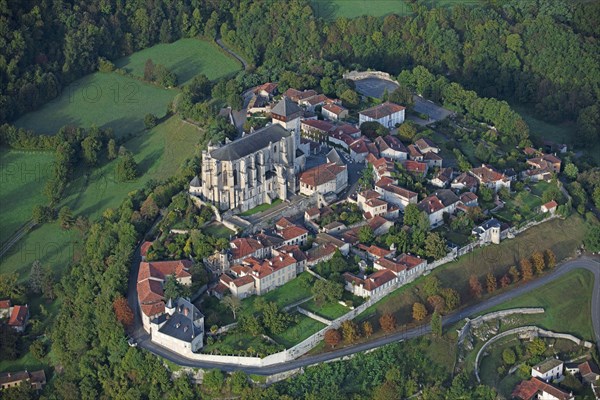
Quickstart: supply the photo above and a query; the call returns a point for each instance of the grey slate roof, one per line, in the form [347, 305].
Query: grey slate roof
[180, 326]
[251, 143]
[286, 107]
[195, 182]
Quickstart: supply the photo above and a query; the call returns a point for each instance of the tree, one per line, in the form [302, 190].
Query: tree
[431, 286]
[526, 269]
[537, 260]
[388, 322]
[571, 171]
[90, 147]
[327, 291]
[549, 259]
[333, 337]
[251, 325]
[9, 343]
[592, 239]
[407, 131]
[435, 246]
[419, 312]
[172, 288]
[504, 281]
[475, 285]
[9, 286]
[491, 282]
[36, 277]
[509, 357]
[536, 347]
[451, 298]
[65, 217]
[149, 71]
[350, 98]
[367, 329]
[213, 380]
[48, 283]
[514, 274]
[126, 168]
[411, 215]
[239, 381]
[41, 214]
[150, 121]
[233, 303]
[366, 235]
[350, 331]
[111, 149]
[149, 209]
[486, 193]
[437, 302]
[38, 349]
[436, 324]
[123, 311]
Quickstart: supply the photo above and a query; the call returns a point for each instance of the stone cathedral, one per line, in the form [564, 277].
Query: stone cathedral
[257, 168]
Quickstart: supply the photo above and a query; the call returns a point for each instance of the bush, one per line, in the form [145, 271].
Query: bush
[150, 121]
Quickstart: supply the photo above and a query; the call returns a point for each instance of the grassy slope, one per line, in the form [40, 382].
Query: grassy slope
[158, 152]
[562, 236]
[23, 175]
[186, 58]
[106, 100]
[571, 316]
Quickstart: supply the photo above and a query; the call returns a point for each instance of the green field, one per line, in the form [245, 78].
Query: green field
[218, 230]
[301, 331]
[107, 100]
[330, 311]
[185, 57]
[159, 154]
[23, 175]
[551, 298]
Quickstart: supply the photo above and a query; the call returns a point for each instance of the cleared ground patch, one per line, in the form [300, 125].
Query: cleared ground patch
[186, 58]
[23, 175]
[107, 100]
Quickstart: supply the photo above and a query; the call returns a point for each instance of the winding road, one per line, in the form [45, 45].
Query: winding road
[588, 263]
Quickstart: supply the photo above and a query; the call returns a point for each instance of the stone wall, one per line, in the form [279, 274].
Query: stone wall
[358, 75]
[313, 316]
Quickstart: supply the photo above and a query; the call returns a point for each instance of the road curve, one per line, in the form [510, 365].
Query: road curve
[587, 263]
[233, 53]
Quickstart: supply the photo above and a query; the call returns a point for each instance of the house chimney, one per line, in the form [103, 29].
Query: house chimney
[186, 311]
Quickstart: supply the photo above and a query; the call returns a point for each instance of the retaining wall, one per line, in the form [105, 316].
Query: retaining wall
[313, 316]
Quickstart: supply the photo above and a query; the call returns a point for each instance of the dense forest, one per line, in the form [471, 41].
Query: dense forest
[544, 54]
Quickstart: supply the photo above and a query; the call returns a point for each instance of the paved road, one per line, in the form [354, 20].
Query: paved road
[233, 53]
[12, 240]
[588, 263]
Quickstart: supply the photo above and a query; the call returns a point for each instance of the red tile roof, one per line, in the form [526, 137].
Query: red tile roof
[284, 223]
[386, 184]
[550, 205]
[487, 174]
[378, 251]
[430, 204]
[468, 197]
[391, 265]
[382, 110]
[377, 222]
[268, 87]
[162, 269]
[370, 194]
[409, 261]
[414, 151]
[373, 281]
[243, 247]
[292, 232]
[321, 174]
[316, 99]
[243, 281]
[527, 389]
[334, 108]
[415, 166]
[294, 251]
[18, 316]
[323, 126]
[4, 304]
[144, 248]
[153, 308]
[150, 291]
[313, 211]
[424, 144]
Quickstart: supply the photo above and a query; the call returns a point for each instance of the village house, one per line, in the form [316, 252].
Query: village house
[406, 267]
[433, 160]
[469, 199]
[316, 129]
[425, 145]
[297, 95]
[440, 202]
[589, 372]
[325, 238]
[549, 207]
[369, 286]
[151, 277]
[19, 316]
[5, 306]
[542, 168]
[180, 328]
[381, 166]
[37, 379]
[334, 112]
[293, 235]
[394, 194]
[465, 181]
[323, 179]
[334, 227]
[311, 103]
[320, 253]
[538, 389]
[267, 90]
[415, 167]
[487, 176]
[548, 370]
[488, 232]
[387, 114]
[380, 225]
[391, 147]
[442, 178]
[414, 153]
[242, 248]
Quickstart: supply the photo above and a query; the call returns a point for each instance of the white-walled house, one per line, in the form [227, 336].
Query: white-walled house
[395, 194]
[387, 114]
[548, 370]
[371, 285]
[323, 179]
[180, 328]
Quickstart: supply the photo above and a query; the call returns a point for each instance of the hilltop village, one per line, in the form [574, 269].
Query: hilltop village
[312, 188]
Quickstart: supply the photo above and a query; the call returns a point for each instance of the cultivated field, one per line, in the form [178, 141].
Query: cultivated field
[107, 100]
[23, 175]
[186, 58]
